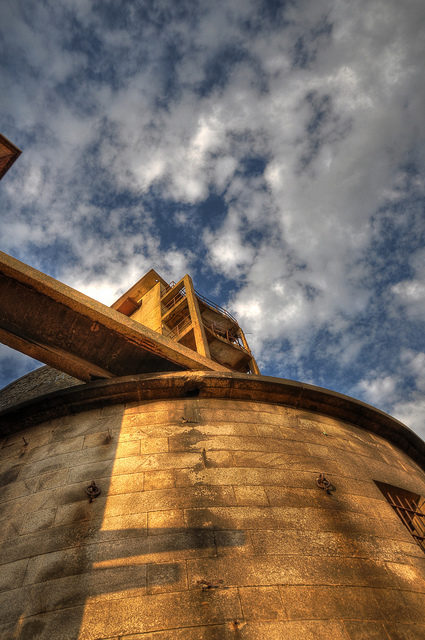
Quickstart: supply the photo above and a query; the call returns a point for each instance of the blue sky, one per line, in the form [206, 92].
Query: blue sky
[273, 150]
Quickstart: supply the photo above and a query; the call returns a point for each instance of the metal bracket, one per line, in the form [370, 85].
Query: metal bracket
[323, 483]
[206, 586]
[93, 491]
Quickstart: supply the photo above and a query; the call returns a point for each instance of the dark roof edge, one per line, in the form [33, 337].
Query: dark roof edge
[205, 384]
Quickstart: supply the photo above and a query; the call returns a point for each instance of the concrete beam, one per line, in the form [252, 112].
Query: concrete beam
[66, 329]
[8, 154]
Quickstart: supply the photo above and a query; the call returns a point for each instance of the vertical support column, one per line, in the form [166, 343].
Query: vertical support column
[252, 363]
[195, 317]
[158, 314]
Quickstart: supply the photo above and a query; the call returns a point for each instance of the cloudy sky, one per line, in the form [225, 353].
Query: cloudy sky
[274, 150]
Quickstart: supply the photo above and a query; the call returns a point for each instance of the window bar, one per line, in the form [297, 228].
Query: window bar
[400, 511]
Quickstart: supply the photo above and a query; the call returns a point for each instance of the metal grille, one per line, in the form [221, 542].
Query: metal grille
[410, 509]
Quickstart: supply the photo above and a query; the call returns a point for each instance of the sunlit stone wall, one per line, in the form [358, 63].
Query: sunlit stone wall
[209, 525]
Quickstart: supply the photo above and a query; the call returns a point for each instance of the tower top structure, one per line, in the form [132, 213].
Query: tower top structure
[153, 327]
[178, 311]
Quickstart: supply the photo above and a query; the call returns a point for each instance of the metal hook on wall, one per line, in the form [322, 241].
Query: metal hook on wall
[323, 483]
[93, 491]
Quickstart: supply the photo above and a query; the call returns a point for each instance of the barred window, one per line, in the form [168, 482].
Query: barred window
[410, 508]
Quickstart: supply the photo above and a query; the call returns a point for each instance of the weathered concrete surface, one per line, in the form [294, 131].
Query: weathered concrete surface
[210, 524]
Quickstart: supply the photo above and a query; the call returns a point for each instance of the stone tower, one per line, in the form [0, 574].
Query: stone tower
[154, 486]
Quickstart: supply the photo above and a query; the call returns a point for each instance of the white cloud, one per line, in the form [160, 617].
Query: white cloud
[331, 101]
[412, 413]
[379, 391]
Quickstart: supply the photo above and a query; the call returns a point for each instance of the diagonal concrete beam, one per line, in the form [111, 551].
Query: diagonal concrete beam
[8, 154]
[66, 329]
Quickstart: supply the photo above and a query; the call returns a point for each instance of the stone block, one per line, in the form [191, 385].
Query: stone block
[165, 577]
[57, 565]
[361, 630]
[300, 570]
[53, 449]
[140, 419]
[413, 605]
[231, 543]
[269, 431]
[15, 490]
[127, 448]
[131, 483]
[211, 632]
[232, 518]
[407, 576]
[244, 476]
[159, 612]
[9, 471]
[347, 522]
[12, 574]
[251, 495]
[325, 602]
[153, 445]
[329, 543]
[72, 459]
[159, 521]
[175, 545]
[405, 631]
[159, 479]
[122, 526]
[50, 480]
[87, 472]
[141, 407]
[232, 443]
[76, 512]
[38, 520]
[107, 583]
[287, 629]
[101, 438]
[11, 450]
[156, 461]
[44, 626]
[256, 415]
[155, 500]
[261, 603]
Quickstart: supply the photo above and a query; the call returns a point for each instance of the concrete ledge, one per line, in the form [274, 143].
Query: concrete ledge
[234, 386]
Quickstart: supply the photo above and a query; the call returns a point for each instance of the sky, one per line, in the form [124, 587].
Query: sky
[273, 150]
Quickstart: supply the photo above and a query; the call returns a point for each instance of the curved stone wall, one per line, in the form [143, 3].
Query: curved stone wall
[210, 523]
[33, 384]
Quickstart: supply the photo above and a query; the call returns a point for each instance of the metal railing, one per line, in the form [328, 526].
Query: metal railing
[225, 334]
[168, 288]
[215, 306]
[409, 508]
[175, 300]
[182, 293]
[179, 328]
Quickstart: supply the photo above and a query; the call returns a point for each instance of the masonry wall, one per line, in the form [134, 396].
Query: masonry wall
[210, 525]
